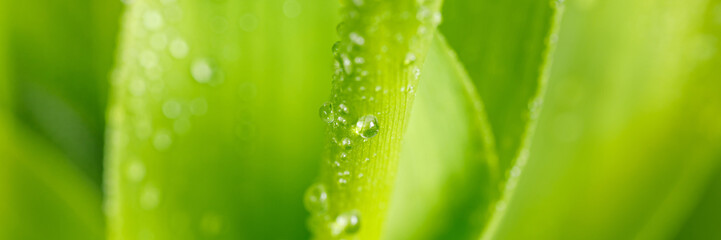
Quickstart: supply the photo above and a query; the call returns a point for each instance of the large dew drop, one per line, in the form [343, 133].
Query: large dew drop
[326, 112]
[367, 126]
[316, 198]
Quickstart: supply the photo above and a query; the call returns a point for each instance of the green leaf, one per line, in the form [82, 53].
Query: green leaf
[58, 57]
[448, 158]
[382, 45]
[213, 129]
[44, 196]
[629, 136]
[506, 51]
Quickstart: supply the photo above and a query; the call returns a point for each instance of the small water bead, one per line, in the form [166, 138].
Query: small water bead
[152, 20]
[204, 71]
[357, 38]
[336, 49]
[172, 109]
[326, 112]
[316, 198]
[367, 126]
[346, 144]
[347, 64]
[342, 182]
[340, 121]
[178, 48]
[346, 223]
[342, 108]
[410, 59]
[343, 156]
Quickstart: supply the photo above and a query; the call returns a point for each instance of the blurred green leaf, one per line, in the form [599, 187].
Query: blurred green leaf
[214, 129]
[630, 131]
[448, 157]
[58, 57]
[43, 196]
[506, 50]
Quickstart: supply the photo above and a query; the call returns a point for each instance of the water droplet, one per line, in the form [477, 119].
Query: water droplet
[410, 59]
[342, 182]
[346, 144]
[136, 170]
[436, 18]
[203, 71]
[326, 112]
[291, 8]
[357, 38]
[172, 109]
[199, 106]
[178, 48]
[162, 141]
[316, 198]
[248, 22]
[149, 197]
[343, 156]
[336, 49]
[152, 20]
[340, 121]
[342, 108]
[346, 223]
[367, 126]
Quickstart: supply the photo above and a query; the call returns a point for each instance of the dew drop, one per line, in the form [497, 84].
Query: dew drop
[346, 223]
[346, 144]
[410, 59]
[316, 198]
[172, 109]
[202, 71]
[367, 126]
[342, 108]
[326, 112]
[341, 121]
[336, 49]
[357, 38]
[178, 48]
